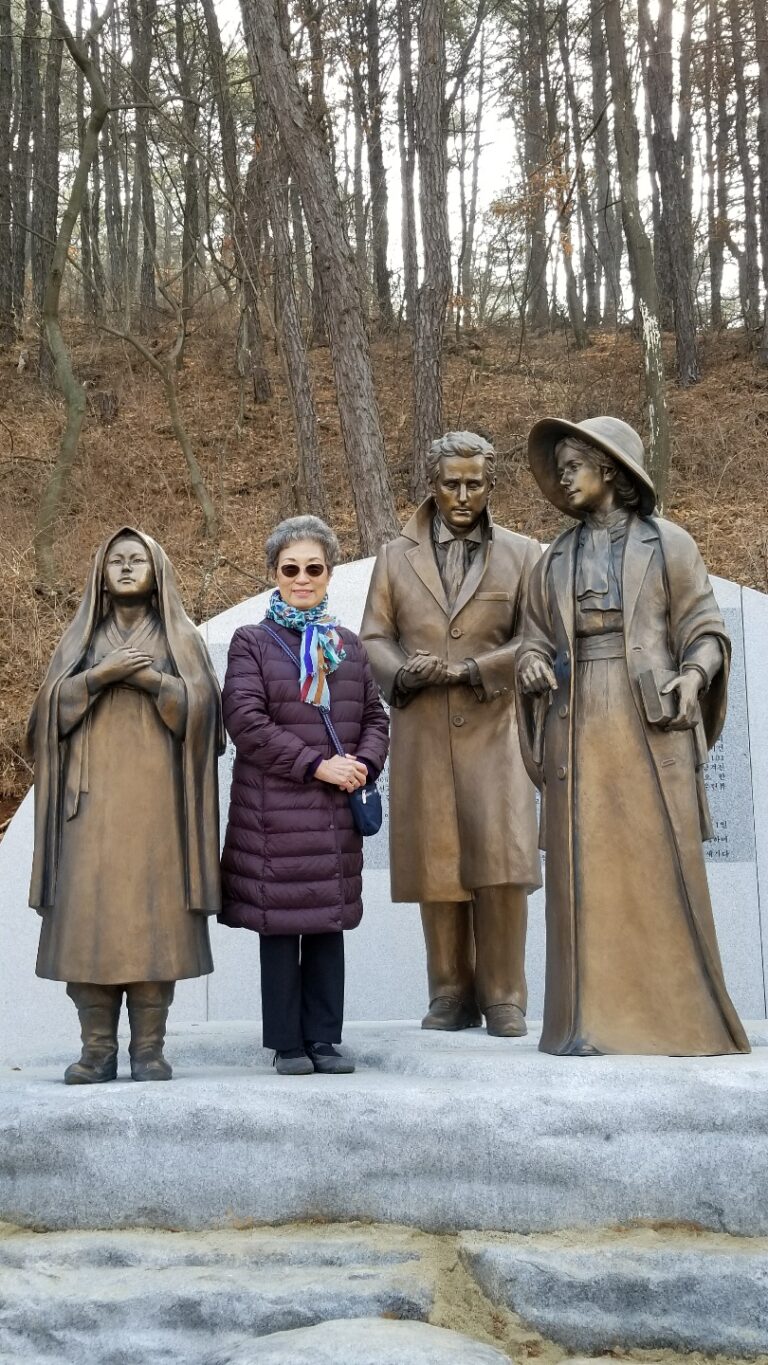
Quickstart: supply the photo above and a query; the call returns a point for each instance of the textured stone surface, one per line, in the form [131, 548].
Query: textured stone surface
[439, 1131]
[643, 1290]
[365, 1343]
[168, 1296]
[385, 956]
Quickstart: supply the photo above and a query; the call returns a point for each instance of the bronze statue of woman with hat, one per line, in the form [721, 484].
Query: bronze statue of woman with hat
[622, 673]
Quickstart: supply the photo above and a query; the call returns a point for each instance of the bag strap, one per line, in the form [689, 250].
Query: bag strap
[335, 741]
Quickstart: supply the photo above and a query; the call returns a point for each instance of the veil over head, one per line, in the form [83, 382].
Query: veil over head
[203, 741]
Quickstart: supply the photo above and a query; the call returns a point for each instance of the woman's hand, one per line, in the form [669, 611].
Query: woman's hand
[343, 770]
[688, 685]
[145, 680]
[537, 675]
[116, 667]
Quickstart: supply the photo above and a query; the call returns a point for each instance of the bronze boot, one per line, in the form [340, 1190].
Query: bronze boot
[148, 1005]
[98, 1008]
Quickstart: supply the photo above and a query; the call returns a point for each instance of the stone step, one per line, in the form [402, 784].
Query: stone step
[439, 1131]
[364, 1342]
[658, 1290]
[91, 1297]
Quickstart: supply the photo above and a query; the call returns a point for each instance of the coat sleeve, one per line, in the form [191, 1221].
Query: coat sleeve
[246, 715]
[379, 633]
[696, 626]
[373, 745]
[497, 666]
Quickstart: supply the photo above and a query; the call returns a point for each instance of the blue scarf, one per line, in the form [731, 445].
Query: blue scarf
[322, 648]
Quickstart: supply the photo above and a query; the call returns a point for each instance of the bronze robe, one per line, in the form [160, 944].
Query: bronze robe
[126, 865]
[632, 957]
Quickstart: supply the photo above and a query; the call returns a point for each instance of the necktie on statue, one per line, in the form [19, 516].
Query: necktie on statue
[455, 569]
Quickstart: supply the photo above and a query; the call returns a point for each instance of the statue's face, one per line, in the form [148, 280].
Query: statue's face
[128, 572]
[461, 490]
[302, 574]
[587, 488]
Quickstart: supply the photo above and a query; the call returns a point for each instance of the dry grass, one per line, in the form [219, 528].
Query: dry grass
[133, 470]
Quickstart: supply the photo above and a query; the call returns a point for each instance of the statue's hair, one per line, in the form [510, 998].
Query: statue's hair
[302, 528]
[466, 443]
[625, 485]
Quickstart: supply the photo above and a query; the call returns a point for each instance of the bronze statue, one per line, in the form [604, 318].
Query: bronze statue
[125, 730]
[443, 607]
[622, 671]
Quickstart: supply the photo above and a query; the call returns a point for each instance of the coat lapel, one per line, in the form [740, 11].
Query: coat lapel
[563, 579]
[638, 552]
[423, 562]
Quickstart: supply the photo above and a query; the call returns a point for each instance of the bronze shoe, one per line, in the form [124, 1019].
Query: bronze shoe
[98, 1062]
[505, 1021]
[451, 1015]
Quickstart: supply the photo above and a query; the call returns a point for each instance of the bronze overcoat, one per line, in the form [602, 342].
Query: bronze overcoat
[461, 806]
[668, 605]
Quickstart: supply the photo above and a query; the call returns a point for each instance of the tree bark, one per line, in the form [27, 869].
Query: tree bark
[715, 116]
[140, 16]
[307, 151]
[406, 136]
[376, 169]
[676, 225]
[7, 324]
[45, 203]
[435, 289]
[190, 229]
[535, 151]
[638, 245]
[591, 290]
[761, 46]
[27, 137]
[609, 245]
[751, 262]
[73, 391]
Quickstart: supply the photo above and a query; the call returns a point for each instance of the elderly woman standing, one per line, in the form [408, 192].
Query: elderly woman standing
[622, 668]
[292, 862]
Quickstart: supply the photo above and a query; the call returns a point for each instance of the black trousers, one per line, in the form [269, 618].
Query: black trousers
[302, 989]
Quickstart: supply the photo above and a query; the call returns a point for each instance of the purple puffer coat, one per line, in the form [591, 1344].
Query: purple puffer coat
[293, 860]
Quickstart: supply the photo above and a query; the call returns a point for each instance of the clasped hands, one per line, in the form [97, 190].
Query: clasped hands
[429, 670]
[125, 665]
[537, 676]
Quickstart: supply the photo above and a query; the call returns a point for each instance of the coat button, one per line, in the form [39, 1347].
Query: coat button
[562, 710]
[456, 634]
[562, 772]
[458, 720]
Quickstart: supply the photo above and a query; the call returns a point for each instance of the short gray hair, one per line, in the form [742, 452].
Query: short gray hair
[625, 485]
[466, 443]
[302, 528]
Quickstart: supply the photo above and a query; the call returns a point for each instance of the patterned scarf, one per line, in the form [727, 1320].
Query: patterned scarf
[321, 649]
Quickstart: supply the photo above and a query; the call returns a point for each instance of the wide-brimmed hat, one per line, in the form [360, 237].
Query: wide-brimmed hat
[608, 434]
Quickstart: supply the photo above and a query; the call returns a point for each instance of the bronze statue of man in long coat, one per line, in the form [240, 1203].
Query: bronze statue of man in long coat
[443, 608]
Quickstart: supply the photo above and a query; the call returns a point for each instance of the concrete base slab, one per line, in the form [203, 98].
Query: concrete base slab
[440, 1131]
[675, 1291]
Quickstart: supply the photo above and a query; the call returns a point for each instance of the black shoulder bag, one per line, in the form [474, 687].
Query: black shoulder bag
[365, 802]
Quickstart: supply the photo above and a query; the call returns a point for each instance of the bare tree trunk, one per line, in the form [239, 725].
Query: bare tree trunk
[468, 261]
[751, 263]
[245, 258]
[761, 45]
[190, 231]
[74, 394]
[606, 206]
[7, 324]
[407, 147]
[557, 139]
[299, 249]
[535, 150]
[435, 290]
[27, 137]
[638, 246]
[307, 151]
[141, 14]
[45, 204]
[270, 181]
[677, 228]
[714, 112]
[591, 288]
[113, 207]
[376, 169]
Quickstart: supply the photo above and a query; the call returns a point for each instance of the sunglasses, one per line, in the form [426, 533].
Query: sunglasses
[293, 570]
